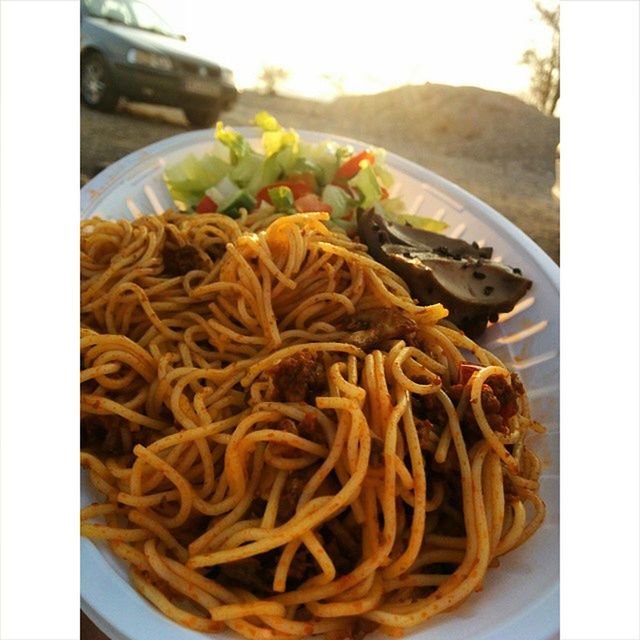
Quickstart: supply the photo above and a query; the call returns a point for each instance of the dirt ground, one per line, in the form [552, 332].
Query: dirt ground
[491, 144]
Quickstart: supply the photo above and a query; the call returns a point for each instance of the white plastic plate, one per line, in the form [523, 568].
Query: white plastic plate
[520, 599]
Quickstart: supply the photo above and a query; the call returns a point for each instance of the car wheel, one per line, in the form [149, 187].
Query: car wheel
[202, 118]
[96, 85]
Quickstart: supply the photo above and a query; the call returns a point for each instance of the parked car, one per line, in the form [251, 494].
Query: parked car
[127, 49]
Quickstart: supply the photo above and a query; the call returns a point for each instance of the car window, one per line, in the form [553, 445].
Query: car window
[132, 13]
[115, 10]
[147, 18]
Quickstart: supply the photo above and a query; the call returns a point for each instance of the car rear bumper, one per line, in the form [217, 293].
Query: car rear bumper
[171, 90]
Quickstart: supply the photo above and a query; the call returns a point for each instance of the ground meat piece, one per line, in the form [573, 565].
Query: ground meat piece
[490, 403]
[195, 525]
[362, 627]
[372, 327]
[303, 566]
[510, 492]
[310, 429]
[498, 403]
[293, 487]
[424, 427]
[287, 451]
[455, 393]
[343, 544]
[288, 426]
[255, 573]
[496, 422]
[342, 561]
[215, 251]
[102, 435]
[178, 261]
[303, 614]
[429, 408]
[505, 394]
[376, 455]
[299, 378]
[357, 630]
[257, 507]
[93, 432]
[517, 385]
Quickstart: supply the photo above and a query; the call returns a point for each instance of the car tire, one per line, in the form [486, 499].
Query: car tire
[202, 118]
[96, 84]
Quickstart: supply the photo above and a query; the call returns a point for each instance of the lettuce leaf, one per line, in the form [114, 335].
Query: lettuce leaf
[247, 167]
[274, 136]
[267, 122]
[419, 222]
[236, 143]
[367, 183]
[394, 209]
[188, 179]
[269, 172]
[339, 200]
[379, 167]
[282, 199]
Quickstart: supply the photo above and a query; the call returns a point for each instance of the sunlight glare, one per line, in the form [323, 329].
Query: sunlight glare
[356, 47]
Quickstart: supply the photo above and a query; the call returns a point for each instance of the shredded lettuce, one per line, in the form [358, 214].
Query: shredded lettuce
[273, 141]
[282, 199]
[236, 143]
[367, 184]
[393, 209]
[247, 168]
[188, 179]
[227, 187]
[232, 173]
[327, 156]
[266, 122]
[339, 199]
[286, 158]
[380, 167]
[274, 136]
[269, 172]
[304, 165]
[390, 206]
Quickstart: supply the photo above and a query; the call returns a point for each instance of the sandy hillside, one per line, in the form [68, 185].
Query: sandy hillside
[492, 144]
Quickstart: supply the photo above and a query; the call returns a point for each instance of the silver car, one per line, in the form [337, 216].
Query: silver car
[127, 49]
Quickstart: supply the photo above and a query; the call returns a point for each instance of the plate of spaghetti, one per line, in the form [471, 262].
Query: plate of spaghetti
[279, 441]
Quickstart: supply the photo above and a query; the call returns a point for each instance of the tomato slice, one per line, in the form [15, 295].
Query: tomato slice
[206, 205]
[466, 370]
[304, 178]
[311, 202]
[351, 166]
[298, 188]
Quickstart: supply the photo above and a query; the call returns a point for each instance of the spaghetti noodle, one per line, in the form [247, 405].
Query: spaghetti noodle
[287, 444]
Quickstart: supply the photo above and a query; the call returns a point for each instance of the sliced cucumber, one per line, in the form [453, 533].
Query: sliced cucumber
[239, 200]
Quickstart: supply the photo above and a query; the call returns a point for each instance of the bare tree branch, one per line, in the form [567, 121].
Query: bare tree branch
[545, 71]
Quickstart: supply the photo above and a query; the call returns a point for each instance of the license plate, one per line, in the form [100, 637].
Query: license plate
[203, 87]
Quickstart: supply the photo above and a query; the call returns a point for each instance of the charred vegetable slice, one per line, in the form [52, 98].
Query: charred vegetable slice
[457, 274]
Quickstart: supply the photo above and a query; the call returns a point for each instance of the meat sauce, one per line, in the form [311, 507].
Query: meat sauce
[178, 261]
[299, 378]
[371, 328]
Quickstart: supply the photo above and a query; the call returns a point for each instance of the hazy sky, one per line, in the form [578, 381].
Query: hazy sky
[365, 47]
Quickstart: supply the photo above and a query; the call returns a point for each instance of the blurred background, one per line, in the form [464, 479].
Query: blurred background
[466, 89]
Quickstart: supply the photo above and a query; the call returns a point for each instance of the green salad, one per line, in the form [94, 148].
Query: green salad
[288, 175]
